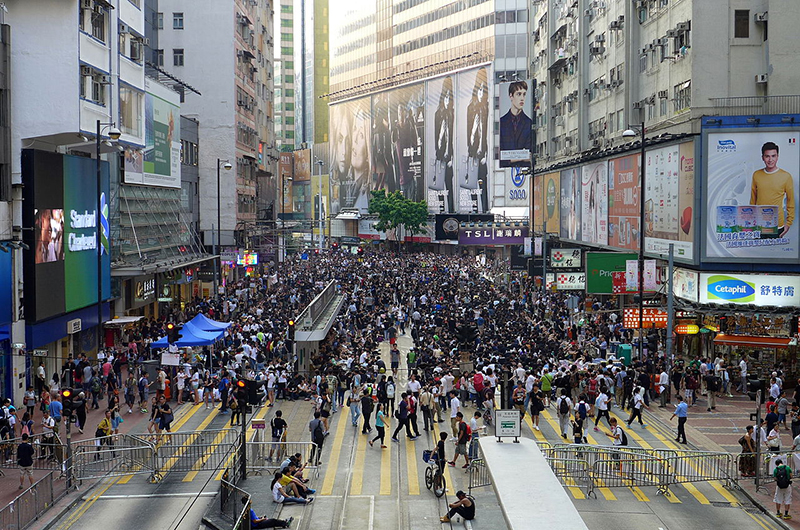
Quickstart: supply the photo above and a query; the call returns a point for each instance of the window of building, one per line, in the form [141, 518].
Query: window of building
[159, 57]
[286, 50]
[288, 37]
[99, 25]
[286, 8]
[98, 89]
[159, 20]
[177, 57]
[741, 23]
[177, 20]
[683, 96]
[130, 111]
[662, 103]
[289, 79]
[286, 23]
[642, 62]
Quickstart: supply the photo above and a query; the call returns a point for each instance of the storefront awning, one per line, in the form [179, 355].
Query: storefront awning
[121, 321]
[349, 216]
[750, 340]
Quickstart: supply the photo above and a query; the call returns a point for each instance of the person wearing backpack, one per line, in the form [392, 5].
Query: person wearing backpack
[619, 439]
[315, 427]
[563, 408]
[783, 489]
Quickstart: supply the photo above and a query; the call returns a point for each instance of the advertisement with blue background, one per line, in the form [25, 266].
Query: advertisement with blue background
[757, 289]
[751, 194]
[61, 207]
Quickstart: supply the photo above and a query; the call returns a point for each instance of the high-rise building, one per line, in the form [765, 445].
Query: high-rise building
[224, 50]
[285, 77]
[312, 77]
[415, 106]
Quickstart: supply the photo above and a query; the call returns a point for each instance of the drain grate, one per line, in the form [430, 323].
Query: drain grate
[721, 504]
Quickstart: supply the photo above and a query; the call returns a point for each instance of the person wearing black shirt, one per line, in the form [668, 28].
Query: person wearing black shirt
[366, 410]
[25, 461]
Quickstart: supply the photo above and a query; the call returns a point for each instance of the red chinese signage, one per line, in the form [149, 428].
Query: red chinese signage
[651, 318]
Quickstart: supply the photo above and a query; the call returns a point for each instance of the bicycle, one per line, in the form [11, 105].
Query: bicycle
[434, 479]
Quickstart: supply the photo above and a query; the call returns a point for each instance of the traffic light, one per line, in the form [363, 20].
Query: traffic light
[255, 391]
[360, 250]
[753, 386]
[290, 331]
[173, 333]
[67, 395]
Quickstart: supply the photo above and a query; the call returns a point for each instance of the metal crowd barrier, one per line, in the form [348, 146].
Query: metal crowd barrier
[48, 453]
[767, 464]
[33, 502]
[267, 456]
[231, 506]
[478, 474]
[573, 473]
[194, 451]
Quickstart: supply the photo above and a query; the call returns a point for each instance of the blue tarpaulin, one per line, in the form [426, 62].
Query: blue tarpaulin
[191, 335]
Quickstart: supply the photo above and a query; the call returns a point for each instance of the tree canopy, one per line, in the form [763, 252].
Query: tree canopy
[394, 211]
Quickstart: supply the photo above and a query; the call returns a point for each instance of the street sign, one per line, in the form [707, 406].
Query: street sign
[507, 424]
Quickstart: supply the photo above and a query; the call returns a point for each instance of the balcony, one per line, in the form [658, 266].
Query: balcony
[750, 105]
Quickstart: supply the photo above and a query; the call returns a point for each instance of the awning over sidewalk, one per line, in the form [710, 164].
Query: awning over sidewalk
[751, 340]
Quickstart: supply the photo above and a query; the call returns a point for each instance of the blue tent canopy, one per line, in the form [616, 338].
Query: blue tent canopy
[191, 335]
[206, 324]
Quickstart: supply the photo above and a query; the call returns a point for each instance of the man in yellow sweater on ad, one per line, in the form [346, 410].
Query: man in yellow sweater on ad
[771, 185]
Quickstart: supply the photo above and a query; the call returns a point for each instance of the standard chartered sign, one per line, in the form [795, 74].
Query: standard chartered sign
[756, 289]
[78, 221]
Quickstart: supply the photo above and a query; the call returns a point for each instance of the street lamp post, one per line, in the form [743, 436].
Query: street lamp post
[319, 203]
[218, 241]
[113, 134]
[630, 133]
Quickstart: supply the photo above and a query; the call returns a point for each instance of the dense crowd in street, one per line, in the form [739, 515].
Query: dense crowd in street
[473, 335]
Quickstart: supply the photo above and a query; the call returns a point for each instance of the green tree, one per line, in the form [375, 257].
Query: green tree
[395, 211]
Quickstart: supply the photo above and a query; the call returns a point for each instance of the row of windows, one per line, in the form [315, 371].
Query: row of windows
[94, 22]
[406, 4]
[445, 34]
[177, 21]
[93, 85]
[356, 44]
[177, 57]
[450, 9]
[358, 24]
[189, 153]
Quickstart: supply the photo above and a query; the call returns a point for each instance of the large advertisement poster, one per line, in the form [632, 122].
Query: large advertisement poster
[594, 197]
[756, 289]
[162, 152]
[473, 140]
[600, 269]
[61, 268]
[440, 137]
[669, 200]
[351, 161]
[552, 207]
[623, 202]
[751, 193]
[302, 165]
[406, 131]
[515, 123]
[286, 174]
[571, 204]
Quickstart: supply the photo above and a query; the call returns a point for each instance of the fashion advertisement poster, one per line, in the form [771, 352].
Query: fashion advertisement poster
[594, 190]
[571, 204]
[350, 150]
[440, 115]
[515, 125]
[751, 194]
[472, 116]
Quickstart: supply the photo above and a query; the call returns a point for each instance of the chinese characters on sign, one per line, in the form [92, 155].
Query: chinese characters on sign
[493, 235]
[651, 318]
[569, 281]
[565, 258]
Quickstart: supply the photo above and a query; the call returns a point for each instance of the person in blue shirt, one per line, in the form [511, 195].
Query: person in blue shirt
[56, 409]
[681, 412]
[266, 522]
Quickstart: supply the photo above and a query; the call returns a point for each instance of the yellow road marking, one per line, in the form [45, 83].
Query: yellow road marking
[411, 466]
[357, 480]
[250, 434]
[342, 420]
[605, 492]
[210, 451]
[386, 466]
[72, 519]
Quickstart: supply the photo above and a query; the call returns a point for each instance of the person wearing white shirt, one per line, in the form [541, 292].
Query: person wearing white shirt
[455, 408]
[743, 375]
[663, 387]
[601, 406]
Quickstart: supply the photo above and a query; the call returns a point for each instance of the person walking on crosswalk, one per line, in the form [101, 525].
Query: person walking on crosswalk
[681, 412]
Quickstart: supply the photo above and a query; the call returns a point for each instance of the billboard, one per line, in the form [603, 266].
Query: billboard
[441, 159]
[751, 192]
[623, 202]
[161, 164]
[515, 126]
[565, 258]
[325, 200]
[684, 284]
[571, 204]
[570, 281]
[594, 199]
[60, 202]
[446, 225]
[398, 131]
[286, 174]
[351, 158]
[757, 289]
[473, 140]
[669, 200]
[302, 165]
[497, 234]
[600, 269]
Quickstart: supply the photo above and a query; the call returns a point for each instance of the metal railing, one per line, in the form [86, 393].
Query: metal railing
[33, 502]
[316, 307]
[267, 456]
[747, 105]
[573, 473]
[48, 453]
[231, 506]
[194, 451]
[478, 474]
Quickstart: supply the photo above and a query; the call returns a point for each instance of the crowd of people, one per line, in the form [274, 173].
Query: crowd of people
[475, 342]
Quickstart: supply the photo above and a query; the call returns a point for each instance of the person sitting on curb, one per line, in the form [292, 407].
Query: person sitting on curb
[280, 495]
[266, 522]
[464, 506]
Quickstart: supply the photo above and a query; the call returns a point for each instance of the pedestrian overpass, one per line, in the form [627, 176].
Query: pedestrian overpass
[314, 323]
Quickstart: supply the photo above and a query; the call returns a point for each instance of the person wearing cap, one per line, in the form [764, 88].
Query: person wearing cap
[464, 506]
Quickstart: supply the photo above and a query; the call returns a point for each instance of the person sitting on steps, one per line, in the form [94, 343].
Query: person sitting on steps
[464, 506]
